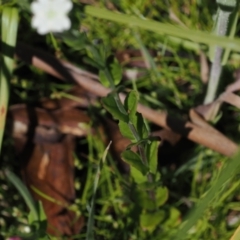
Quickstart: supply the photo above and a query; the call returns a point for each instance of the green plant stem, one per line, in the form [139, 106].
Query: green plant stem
[137, 138]
[216, 69]
[54, 42]
[215, 74]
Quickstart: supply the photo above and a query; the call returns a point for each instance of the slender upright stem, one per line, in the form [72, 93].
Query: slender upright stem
[216, 69]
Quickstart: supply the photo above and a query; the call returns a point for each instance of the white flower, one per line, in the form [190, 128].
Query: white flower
[51, 15]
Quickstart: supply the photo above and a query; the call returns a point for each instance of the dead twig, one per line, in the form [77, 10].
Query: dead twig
[66, 71]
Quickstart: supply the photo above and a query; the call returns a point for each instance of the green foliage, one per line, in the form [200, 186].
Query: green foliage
[154, 200]
[134, 160]
[36, 217]
[112, 105]
[9, 28]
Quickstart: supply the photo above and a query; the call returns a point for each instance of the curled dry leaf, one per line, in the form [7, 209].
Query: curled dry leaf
[45, 146]
[46, 125]
[210, 111]
[49, 169]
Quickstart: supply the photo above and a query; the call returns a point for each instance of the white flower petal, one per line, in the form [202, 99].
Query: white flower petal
[51, 15]
[34, 7]
[66, 23]
[43, 29]
[68, 6]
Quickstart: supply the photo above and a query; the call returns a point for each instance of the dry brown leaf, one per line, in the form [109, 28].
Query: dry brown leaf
[46, 125]
[50, 170]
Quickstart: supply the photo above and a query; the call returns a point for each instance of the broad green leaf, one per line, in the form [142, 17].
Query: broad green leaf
[130, 103]
[173, 218]
[138, 125]
[125, 131]
[144, 200]
[161, 196]
[111, 105]
[134, 160]
[152, 156]
[116, 71]
[149, 221]
[103, 79]
[137, 176]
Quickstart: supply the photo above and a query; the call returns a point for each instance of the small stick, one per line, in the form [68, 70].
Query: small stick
[65, 71]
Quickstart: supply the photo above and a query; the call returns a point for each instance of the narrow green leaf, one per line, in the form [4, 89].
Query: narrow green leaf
[230, 169]
[152, 156]
[140, 126]
[24, 192]
[111, 105]
[130, 103]
[236, 235]
[47, 197]
[134, 160]
[164, 28]
[116, 71]
[41, 224]
[96, 55]
[74, 39]
[92, 62]
[103, 79]
[9, 26]
[142, 141]
[90, 223]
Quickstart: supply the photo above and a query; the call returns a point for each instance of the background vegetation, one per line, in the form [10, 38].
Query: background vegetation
[197, 189]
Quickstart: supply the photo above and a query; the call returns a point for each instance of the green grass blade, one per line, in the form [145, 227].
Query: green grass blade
[165, 29]
[227, 173]
[90, 224]
[236, 235]
[16, 181]
[9, 35]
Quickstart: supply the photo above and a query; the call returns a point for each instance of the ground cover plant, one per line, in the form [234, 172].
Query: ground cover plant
[119, 119]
